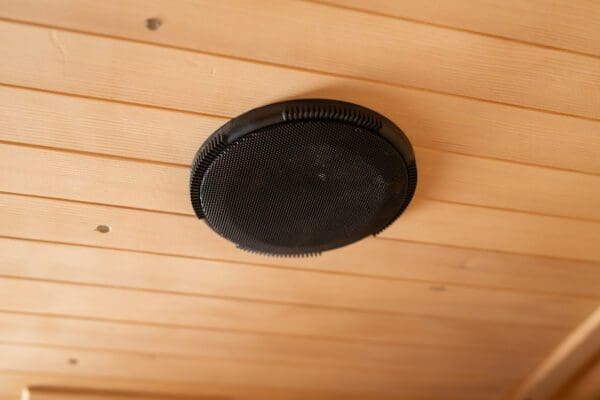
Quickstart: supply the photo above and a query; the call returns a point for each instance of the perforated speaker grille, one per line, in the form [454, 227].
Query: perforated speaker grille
[302, 186]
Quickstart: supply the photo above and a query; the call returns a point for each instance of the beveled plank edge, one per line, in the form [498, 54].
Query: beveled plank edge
[185, 167]
[224, 119]
[295, 268]
[435, 244]
[295, 68]
[367, 10]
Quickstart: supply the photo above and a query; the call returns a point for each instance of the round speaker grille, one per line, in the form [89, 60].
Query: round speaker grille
[302, 177]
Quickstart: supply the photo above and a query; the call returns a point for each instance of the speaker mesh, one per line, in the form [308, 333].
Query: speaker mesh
[303, 187]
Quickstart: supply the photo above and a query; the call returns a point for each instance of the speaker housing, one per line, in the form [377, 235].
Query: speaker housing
[328, 154]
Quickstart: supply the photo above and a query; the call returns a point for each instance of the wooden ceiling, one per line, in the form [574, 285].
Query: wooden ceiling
[494, 263]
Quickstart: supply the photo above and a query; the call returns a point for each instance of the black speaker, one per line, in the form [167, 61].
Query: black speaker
[303, 176]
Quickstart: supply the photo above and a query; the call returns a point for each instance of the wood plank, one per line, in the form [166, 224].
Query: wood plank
[429, 119]
[13, 381]
[198, 277]
[153, 232]
[484, 228]
[392, 50]
[89, 125]
[564, 24]
[105, 180]
[202, 343]
[165, 188]
[259, 317]
[37, 393]
[367, 381]
[443, 176]
[571, 357]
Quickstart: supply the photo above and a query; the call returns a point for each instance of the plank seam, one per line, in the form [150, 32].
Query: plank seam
[146, 161]
[308, 270]
[248, 331]
[295, 68]
[588, 261]
[225, 119]
[450, 27]
[273, 302]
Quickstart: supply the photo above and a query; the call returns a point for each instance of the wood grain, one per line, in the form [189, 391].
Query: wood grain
[432, 264]
[585, 387]
[355, 380]
[443, 176]
[486, 272]
[152, 232]
[484, 228]
[337, 381]
[573, 356]
[186, 342]
[569, 25]
[13, 381]
[271, 317]
[239, 282]
[164, 188]
[324, 38]
[61, 393]
[228, 87]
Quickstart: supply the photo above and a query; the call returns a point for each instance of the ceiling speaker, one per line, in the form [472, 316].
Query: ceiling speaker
[303, 176]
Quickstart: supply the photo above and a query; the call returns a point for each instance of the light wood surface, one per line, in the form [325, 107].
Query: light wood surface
[64, 393]
[258, 84]
[586, 386]
[444, 176]
[490, 268]
[136, 337]
[15, 381]
[563, 24]
[41, 359]
[123, 130]
[343, 42]
[570, 358]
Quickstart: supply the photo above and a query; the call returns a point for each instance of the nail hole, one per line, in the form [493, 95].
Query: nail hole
[73, 361]
[103, 228]
[153, 23]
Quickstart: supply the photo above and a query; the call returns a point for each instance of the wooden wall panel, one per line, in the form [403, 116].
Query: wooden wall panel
[311, 289]
[14, 381]
[122, 336]
[255, 84]
[489, 268]
[565, 24]
[345, 42]
[92, 125]
[151, 232]
[446, 177]
[443, 176]
[43, 359]
[84, 178]
[61, 393]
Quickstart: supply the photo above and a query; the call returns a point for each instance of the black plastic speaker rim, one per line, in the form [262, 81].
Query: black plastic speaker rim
[301, 110]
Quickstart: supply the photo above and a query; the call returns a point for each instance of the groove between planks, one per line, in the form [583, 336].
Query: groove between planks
[70, 264]
[15, 380]
[444, 176]
[106, 335]
[487, 126]
[69, 253]
[76, 222]
[561, 25]
[164, 188]
[225, 372]
[550, 141]
[424, 56]
[281, 318]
